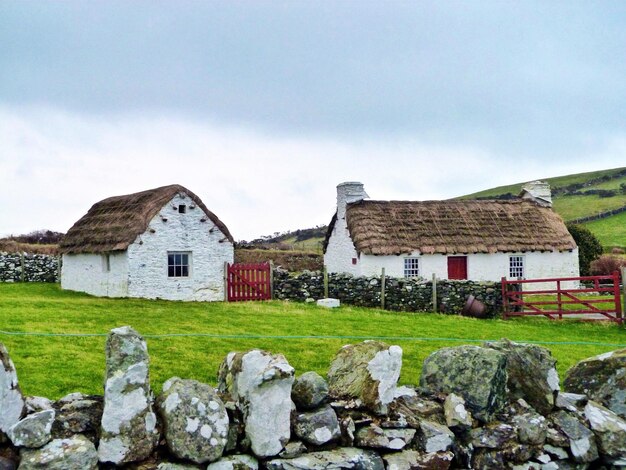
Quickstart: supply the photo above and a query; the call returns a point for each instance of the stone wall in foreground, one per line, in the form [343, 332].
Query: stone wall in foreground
[407, 295]
[495, 406]
[28, 267]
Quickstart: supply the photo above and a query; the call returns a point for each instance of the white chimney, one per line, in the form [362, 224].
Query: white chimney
[347, 193]
[537, 191]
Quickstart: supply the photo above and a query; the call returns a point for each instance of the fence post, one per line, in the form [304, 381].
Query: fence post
[623, 289]
[434, 293]
[226, 281]
[23, 264]
[325, 282]
[382, 288]
[271, 280]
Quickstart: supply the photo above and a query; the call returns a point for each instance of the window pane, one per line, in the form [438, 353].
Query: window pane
[185, 271]
[170, 271]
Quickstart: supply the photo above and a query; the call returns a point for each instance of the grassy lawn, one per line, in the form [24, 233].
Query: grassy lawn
[610, 231]
[307, 335]
[572, 207]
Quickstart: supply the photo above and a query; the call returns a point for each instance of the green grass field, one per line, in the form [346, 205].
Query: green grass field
[610, 231]
[51, 364]
[572, 207]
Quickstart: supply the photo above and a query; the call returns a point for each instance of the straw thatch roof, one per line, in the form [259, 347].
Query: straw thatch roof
[448, 227]
[114, 223]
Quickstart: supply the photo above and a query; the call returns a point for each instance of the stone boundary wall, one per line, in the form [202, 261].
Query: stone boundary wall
[500, 405]
[598, 216]
[406, 295]
[28, 267]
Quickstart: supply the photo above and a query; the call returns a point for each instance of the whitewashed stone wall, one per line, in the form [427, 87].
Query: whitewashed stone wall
[480, 267]
[208, 247]
[88, 273]
[340, 250]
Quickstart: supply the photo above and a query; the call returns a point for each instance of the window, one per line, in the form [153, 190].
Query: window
[516, 267]
[106, 263]
[411, 267]
[178, 264]
[182, 208]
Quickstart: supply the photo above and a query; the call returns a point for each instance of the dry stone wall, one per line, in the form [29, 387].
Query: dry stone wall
[494, 406]
[26, 267]
[407, 295]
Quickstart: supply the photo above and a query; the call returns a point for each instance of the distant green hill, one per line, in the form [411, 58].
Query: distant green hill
[583, 196]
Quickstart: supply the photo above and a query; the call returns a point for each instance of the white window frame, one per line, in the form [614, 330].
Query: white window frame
[411, 267]
[106, 262]
[517, 267]
[178, 264]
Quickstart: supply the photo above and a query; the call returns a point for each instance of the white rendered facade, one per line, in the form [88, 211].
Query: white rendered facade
[142, 270]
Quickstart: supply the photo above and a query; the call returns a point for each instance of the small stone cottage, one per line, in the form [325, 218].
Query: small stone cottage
[160, 243]
[479, 240]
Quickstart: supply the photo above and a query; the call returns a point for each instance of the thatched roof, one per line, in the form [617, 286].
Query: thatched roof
[114, 223]
[448, 227]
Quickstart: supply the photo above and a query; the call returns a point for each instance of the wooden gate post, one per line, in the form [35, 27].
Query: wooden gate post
[271, 280]
[325, 282]
[434, 293]
[226, 280]
[382, 288]
[623, 290]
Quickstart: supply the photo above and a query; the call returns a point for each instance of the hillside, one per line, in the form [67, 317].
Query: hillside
[595, 199]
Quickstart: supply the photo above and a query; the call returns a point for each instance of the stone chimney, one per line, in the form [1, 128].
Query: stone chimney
[348, 192]
[537, 191]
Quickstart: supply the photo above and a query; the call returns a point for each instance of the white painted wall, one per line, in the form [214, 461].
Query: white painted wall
[340, 250]
[87, 273]
[147, 256]
[480, 267]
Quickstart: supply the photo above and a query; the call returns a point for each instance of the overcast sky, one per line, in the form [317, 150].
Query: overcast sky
[263, 107]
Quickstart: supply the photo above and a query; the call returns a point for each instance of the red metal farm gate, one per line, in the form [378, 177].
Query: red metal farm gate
[596, 298]
[248, 281]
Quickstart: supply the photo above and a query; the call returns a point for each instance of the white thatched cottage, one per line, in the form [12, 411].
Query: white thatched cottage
[161, 243]
[481, 240]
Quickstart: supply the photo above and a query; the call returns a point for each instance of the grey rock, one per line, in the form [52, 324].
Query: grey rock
[195, 422]
[531, 372]
[260, 383]
[33, 431]
[379, 438]
[411, 410]
[77, 413]
[477, 374]
[343, 458]
[602, 378]
[610, 431]
[317, 427]
[128, 427]
[235, 462]
[175, 466]
[11, 399]
[570, 401]
[367, 371]
[309, 391]
[412, 459]
[532, 428]
[581, 439]
[75, 453]
[493, 436]
[292, 450]
[435, 437]
[557, 453]
[457, 415]
[35, 404]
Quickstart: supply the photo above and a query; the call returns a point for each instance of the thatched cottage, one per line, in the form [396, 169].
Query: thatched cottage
[481, 240]
[161, 243]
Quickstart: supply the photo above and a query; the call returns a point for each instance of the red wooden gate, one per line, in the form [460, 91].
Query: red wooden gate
[248, 281]
[604, 304]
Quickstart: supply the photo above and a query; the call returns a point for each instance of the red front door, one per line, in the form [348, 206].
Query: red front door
[457, 267]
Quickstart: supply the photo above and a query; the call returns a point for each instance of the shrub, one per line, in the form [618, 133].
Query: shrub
[589, 247]
[606, 265]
